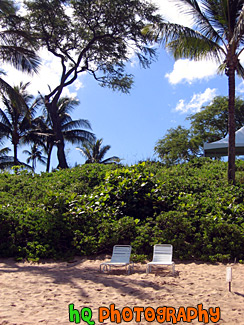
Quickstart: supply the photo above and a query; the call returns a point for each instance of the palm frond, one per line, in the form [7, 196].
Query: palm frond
[67, 105]
[42, 160]
[78, 136]
[222, 68]
[5, 123]
[4, 151]
[21, 58]
[5, 131]
[85, 151]
[201, 18]
[102, 152]
[25, 124]
[26, 152]
[76, 124]
[7, 8]
[240, 70]
[111, 160]
[6, 162]
[188, 43]
[238, 35]
[14, 96]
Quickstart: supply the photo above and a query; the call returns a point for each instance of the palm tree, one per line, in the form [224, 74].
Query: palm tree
[218, 34]
[72, 130]
[94, 152]
[35, 155]
[17, 46]
[15, 119]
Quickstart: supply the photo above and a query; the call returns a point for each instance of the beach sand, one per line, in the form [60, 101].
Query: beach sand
[40, 293]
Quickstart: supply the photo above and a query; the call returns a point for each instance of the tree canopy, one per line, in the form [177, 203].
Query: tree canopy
[211, 123]
[176, 146]
[97, 37]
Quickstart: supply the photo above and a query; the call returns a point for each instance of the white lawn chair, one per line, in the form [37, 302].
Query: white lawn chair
[162, 255]
[120, 257]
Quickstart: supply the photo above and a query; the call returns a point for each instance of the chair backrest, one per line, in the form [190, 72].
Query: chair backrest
[162, 253]
[121, 254]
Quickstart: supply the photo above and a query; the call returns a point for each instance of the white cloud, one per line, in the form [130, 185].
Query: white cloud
[171, 13]
[196, 102]
[78, 84]
[240, 88]
[188, 71]
[242, 58]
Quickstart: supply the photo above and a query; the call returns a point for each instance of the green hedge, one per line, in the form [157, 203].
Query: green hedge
[88, 209]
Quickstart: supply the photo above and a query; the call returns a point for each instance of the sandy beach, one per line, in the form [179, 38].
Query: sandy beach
[49, 293]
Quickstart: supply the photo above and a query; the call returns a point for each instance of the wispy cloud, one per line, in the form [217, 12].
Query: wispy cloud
[185, 70]
[196, 102]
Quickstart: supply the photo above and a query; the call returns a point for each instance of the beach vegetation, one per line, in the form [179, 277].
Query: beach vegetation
[88, 209]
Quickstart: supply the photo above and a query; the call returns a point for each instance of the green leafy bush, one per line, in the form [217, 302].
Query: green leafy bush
[88, 209]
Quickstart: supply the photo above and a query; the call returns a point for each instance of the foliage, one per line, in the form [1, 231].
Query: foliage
[176, 146]
[88, 209]
[209, 124]
[17, 45]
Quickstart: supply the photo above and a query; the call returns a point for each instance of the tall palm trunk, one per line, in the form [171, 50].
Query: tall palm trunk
[15, 141]
[231, 66]
[231, 126]
[15, 154]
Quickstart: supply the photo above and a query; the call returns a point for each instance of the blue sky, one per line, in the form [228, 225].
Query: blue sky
[161, 98]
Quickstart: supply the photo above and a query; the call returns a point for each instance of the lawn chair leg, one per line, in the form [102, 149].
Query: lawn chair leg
[148, 269]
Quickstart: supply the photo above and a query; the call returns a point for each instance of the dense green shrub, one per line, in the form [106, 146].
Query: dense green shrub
[88, 209]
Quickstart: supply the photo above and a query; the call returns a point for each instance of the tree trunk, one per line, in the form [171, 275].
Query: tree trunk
[15, 154]
[61, 155]
[49, 158]
[231, 124]
[58, 135]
